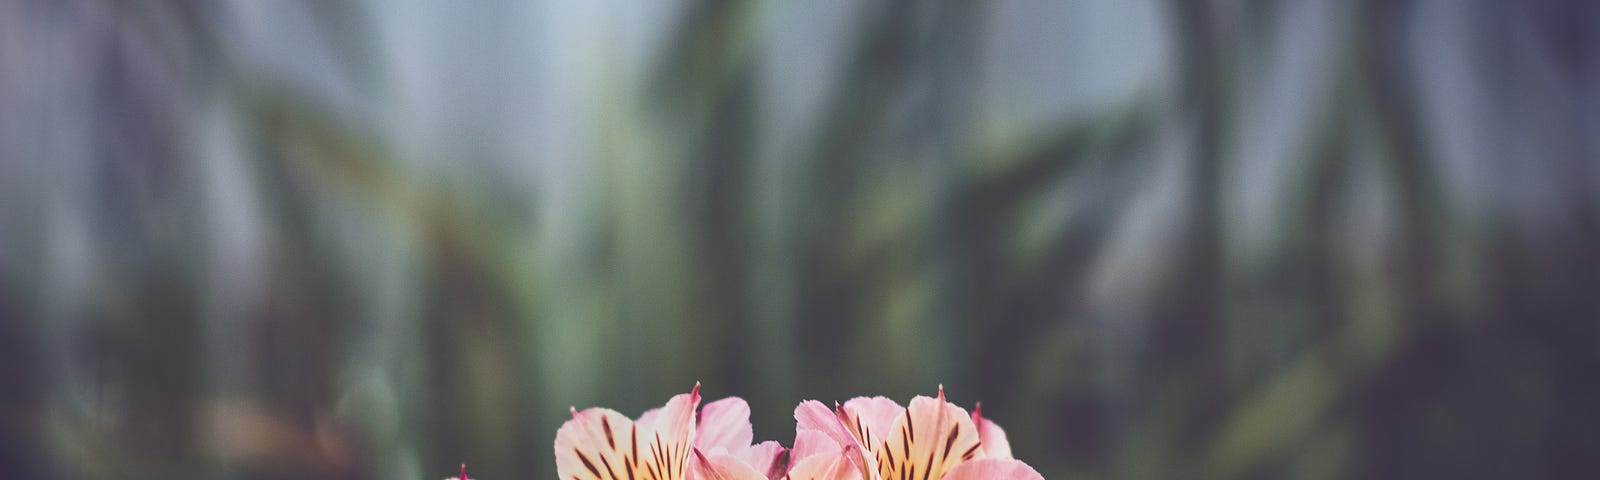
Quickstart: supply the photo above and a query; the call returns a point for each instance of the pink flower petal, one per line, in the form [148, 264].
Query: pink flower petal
[604, 443]
[764, 457]
[932, 437]
[834, 465]
[808, 442]
[995, 444]
[868, 419]
[675, 421]
[597, 442]
[649, 416]
[724, 423]
[993, 469]
[721, 467]
[813, 415]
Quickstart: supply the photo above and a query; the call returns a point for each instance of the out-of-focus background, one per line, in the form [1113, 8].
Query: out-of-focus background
[1225, 239]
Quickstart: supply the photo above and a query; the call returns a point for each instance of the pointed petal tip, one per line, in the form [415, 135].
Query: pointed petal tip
[941, 392]
[696, 392]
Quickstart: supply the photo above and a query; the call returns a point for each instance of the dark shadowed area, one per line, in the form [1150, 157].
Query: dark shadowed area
[1179, 239]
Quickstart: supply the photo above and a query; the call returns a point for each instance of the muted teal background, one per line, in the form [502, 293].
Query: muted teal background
[1224, 239]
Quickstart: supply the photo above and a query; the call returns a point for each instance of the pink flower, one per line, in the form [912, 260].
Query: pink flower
[875, 438]
[864, 439]
[722, 445]
[463, 474]
[600, 443]
[667, 443]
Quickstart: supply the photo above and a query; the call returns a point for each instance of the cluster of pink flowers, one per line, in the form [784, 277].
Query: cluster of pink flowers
[863, 439]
